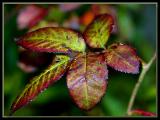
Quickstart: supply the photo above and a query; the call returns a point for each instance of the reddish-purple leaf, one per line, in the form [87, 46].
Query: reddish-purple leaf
[39, 83]
[142, 113]
[87, 79]
[98, 32]
[122, 58]
[29, 61]
[53, 39]
[30, 15]
[68, 7]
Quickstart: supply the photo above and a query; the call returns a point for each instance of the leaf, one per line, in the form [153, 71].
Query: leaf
[142, 113]
[107, 9]
[97, 33]
[29, 61]
[122, 58]
[53, 39]
[42, 81]
[86, 79]
[87, 18]
[30, 15]
[68, 7]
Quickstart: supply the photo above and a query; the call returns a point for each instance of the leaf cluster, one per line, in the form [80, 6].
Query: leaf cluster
[87, 72]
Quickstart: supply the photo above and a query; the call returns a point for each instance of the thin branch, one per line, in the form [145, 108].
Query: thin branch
[145, 68]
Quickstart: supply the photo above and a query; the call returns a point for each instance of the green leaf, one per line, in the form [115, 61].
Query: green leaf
[86, 79]
[98, 32]
[39, 83]
[52, 39]
[122, 58]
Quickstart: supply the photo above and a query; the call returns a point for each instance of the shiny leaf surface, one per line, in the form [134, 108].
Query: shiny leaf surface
[87, 79]
[39, 83]
[53, 39]
[122, 58]
[98, 32]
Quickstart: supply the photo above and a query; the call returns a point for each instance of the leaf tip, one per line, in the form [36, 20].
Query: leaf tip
[97, 33]
[11, 113]
[12, 110]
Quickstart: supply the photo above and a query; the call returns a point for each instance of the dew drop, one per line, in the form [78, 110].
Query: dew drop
[16, 39]
[121, 44]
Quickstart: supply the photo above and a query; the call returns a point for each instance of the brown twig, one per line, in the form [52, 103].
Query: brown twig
[145, 68]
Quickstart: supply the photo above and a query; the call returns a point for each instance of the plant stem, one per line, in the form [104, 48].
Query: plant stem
[145, 68]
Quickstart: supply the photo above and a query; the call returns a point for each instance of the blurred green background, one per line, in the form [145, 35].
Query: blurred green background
[135, 24]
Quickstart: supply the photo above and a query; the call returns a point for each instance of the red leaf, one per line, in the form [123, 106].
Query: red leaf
[87, 18]
[29, 61]
[142, 113]
[86, 79]
[53, 39]
[122, 58]
[39, 83]
[30, 15]
[68, 7]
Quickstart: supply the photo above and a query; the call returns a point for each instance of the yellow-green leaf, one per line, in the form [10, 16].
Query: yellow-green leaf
[53, 39]
[98, 32]
[39, 83]
[87, 79]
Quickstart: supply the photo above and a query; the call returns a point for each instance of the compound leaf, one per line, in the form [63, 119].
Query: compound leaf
[122, 58]
[86, 79]
[39, 83]
[53, 39]
[98, 32]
